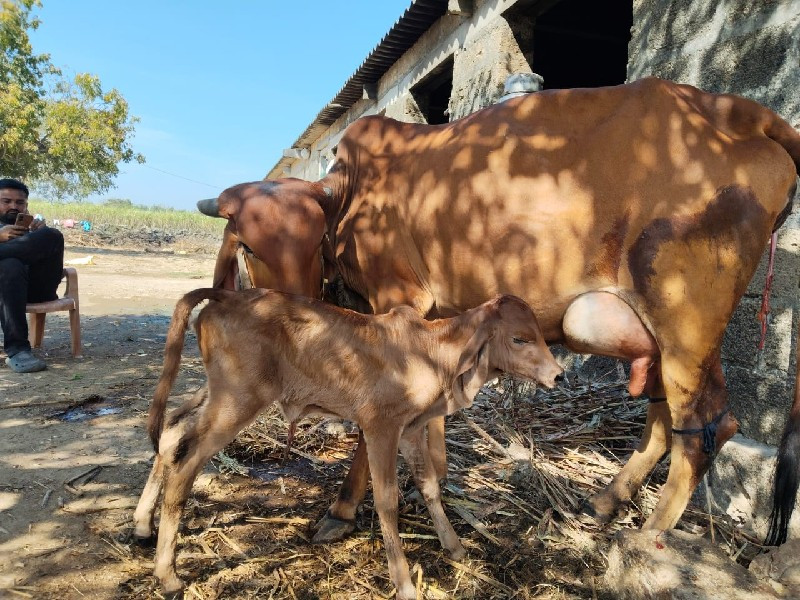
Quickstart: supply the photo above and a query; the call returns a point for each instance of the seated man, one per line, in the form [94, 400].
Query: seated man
[31, 266]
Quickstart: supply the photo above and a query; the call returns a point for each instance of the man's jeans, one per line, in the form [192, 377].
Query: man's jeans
[31, 268]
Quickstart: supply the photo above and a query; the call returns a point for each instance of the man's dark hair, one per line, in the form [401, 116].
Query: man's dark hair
[13, 184]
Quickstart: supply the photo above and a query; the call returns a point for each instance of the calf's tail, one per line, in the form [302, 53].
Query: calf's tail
[787, 473]
[172, 357]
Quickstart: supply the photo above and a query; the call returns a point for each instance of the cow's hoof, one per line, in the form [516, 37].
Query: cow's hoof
[590, 515]
[330, 529]
[145, 541]
[415, 496]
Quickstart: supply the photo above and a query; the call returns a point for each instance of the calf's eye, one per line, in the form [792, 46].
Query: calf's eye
[517, 340]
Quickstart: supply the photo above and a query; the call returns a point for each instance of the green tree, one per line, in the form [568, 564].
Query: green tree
[64, 137]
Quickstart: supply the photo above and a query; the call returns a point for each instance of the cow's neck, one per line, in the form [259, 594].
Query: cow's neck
[337, 198]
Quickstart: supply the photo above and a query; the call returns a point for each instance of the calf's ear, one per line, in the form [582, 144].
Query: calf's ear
[473, 368]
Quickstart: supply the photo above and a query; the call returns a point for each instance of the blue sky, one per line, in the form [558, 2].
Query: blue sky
[221, 88]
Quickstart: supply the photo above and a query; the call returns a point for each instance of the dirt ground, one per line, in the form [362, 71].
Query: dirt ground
[74, 456]
[58, 533]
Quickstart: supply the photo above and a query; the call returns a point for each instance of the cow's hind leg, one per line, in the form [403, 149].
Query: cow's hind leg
[415, 450]
[701, 425]
[602, 323]
[656, 440]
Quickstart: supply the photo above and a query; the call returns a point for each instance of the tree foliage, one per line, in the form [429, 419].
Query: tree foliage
[64, 137]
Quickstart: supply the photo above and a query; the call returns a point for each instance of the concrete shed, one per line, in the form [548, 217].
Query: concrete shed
[444, 59]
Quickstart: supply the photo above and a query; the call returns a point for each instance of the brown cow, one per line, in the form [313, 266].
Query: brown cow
[631, 218]
[389, 373]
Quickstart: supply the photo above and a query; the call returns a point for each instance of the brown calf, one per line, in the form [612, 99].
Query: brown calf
[389, 373]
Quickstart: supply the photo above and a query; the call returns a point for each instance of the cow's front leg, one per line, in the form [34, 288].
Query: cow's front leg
[340, 519]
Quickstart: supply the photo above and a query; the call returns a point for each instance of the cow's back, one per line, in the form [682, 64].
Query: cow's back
[547, 195]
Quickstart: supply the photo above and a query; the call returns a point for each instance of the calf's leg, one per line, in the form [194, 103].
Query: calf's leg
[436, 447]
[178, 482]
[339, 520]
[415, 450]
[382, 455]
[144, 515]
[186, 445]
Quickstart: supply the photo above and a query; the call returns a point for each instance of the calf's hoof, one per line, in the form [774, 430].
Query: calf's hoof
[406, 591]
[172, 586]
[457, 553]
[330, 529]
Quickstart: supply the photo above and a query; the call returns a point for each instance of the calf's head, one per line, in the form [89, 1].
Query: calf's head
[508, 339]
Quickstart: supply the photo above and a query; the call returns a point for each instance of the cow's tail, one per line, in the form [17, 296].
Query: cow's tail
[787, 473]
[172, 357]
[787, 470]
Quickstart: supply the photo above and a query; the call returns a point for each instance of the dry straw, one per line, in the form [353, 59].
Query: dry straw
[521, 462]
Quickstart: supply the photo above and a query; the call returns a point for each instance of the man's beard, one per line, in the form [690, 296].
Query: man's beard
[9, 218]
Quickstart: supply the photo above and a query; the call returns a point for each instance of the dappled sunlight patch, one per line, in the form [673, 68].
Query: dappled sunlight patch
[9, 500]
[8, 423]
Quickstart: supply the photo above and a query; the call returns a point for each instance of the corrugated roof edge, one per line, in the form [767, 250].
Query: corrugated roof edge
[415, 21]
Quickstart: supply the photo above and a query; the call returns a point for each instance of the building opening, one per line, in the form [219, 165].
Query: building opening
[432, 94]
[575, 43]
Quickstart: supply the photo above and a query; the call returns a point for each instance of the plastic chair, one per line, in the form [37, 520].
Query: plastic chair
[69, 302]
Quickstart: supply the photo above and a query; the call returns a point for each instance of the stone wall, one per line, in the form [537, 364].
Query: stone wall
[750, 48]
[481, 67]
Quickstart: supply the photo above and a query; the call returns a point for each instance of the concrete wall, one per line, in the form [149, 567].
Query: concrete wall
[750, 48]
[484, 52]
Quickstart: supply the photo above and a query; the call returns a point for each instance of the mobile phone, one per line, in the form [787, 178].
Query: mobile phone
[24, 220]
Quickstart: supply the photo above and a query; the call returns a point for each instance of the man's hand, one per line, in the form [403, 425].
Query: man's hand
[37, 224]
[9, 232]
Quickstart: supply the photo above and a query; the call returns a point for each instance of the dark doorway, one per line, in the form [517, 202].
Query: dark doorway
[575, 43]
[432, 94]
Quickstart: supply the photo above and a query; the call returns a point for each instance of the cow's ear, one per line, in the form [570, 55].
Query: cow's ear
[473, 367]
